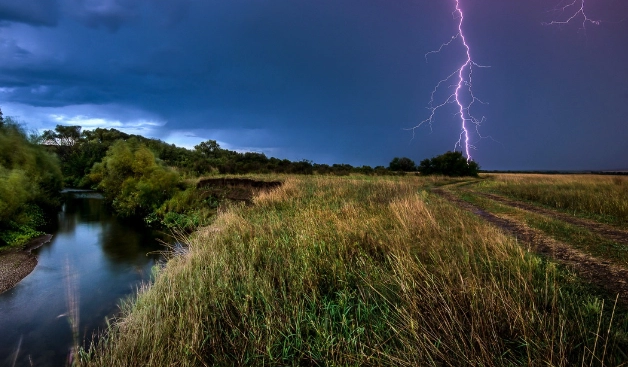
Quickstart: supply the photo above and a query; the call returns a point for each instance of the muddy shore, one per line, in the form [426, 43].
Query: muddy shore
[16, 264]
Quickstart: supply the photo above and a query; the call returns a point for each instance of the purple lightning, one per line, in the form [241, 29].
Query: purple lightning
[579, 13]
[463, 89]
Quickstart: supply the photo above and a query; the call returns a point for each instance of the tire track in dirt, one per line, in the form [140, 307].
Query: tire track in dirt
[610, 277]
[606, 231]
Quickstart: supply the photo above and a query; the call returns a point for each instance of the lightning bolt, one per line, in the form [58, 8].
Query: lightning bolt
[577, 9]
[460, 82]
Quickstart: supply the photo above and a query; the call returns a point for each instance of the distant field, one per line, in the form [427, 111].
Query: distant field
[400, 271]
[589, 212]
[602, 198]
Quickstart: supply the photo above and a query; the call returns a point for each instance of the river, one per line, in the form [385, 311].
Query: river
[99, 258]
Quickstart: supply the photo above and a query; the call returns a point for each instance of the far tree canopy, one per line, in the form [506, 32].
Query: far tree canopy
[449, 164]
[402, 164]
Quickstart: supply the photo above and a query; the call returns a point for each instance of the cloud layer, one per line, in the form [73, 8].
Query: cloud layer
[330, 81]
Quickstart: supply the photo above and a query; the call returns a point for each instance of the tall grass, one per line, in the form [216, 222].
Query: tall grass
[604, 198]
[331, 271]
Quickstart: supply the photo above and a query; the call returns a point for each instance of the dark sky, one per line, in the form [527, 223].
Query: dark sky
[331, 81]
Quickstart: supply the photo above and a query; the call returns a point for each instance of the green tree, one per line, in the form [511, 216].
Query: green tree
[209, 149]
[64, 136]
[402, 164]
[449, 164]
[64, 142]
[30, 181]
[132, 180]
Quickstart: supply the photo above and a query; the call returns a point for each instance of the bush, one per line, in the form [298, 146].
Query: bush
[449, 164]
[132, 180]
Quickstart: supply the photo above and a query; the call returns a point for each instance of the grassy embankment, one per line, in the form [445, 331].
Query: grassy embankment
[361, 271]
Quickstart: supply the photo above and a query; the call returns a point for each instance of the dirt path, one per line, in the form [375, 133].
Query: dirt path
[613, 278]
[606, 231]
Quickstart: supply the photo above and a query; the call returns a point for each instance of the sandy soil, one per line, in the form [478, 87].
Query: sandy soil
[16, 264]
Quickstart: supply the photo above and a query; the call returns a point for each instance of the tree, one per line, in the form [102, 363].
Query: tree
[62, 141]
[30, 181]
[402, 164]
[449, 164]
[66, 136]
[208, 149]
[131, 178]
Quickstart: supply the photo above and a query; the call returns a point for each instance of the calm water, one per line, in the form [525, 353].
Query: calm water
[102, 258]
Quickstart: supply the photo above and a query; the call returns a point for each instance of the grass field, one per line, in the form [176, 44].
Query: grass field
[577, 236]
[369, 271]
[599, 197]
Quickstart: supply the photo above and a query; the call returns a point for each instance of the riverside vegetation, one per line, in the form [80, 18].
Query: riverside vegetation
[30, 181]
[365, 271]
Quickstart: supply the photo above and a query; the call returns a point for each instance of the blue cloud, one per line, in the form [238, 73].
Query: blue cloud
[326, 80]
[33, 12]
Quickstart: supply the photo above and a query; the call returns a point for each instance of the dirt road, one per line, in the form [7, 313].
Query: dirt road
[610, 277]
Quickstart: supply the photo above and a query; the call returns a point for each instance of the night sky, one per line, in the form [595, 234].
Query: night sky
[330, 81]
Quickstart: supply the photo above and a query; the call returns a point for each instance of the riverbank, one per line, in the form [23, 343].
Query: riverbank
[16, 264]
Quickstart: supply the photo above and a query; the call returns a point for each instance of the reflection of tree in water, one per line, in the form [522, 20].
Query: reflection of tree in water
[125, 242]
[80, 210]
[89, 209]
[129, 242]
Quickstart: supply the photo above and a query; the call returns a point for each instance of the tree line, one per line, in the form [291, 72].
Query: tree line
[78, 150]
[447, 164]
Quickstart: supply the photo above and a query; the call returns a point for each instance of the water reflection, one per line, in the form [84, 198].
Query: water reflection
[110, 259]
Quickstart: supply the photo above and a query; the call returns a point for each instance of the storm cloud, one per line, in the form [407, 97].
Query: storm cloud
[329, 81]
